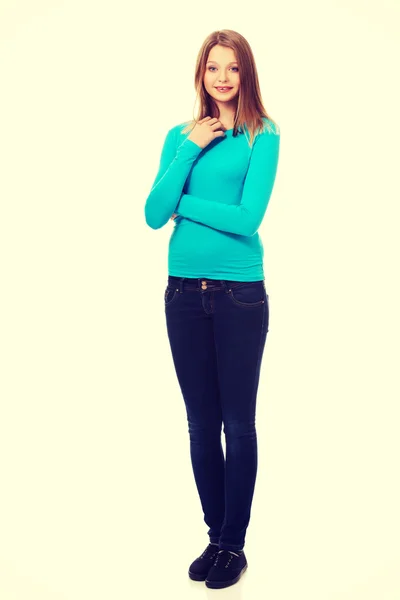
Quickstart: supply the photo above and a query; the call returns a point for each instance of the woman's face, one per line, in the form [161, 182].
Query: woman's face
[222, 71]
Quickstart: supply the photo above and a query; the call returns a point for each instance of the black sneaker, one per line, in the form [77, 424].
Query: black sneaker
[199, 568]
[227, 569]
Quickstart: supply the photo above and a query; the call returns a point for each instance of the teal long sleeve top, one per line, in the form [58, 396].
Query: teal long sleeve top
[220, 194]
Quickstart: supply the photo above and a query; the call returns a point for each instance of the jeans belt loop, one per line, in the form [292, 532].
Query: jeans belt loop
[225, 285]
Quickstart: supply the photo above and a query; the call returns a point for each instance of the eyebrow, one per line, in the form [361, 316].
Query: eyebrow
[231, 63]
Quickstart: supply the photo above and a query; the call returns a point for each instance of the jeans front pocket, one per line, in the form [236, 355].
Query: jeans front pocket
[249, 294]
[170, 295]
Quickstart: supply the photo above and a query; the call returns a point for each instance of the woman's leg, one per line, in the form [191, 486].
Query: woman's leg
[191, 336]
[241, 325]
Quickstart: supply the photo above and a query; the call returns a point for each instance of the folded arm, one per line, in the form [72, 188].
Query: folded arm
[244, 218]
[174, 168]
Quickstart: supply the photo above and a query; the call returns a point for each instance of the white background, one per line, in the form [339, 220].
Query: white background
[98, 500]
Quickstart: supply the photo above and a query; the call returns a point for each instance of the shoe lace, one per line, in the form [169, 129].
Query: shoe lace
[210, 552]
[227, 555]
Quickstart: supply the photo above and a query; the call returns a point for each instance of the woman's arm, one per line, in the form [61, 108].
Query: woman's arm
[174, 168]
[244, 218]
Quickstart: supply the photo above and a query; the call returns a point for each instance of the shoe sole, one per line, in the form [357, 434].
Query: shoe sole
[222, 584]
[197, 577]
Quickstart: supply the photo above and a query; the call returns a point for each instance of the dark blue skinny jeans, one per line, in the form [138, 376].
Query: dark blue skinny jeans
[217, 331]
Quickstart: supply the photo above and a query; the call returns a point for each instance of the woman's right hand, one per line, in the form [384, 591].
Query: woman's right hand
[205, 131]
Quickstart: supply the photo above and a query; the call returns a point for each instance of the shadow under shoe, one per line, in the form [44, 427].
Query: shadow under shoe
[200, 567]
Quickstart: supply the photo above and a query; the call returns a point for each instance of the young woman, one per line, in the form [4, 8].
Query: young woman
[216, 183]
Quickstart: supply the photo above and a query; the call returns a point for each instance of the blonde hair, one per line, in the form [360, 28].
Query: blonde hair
[250, 113]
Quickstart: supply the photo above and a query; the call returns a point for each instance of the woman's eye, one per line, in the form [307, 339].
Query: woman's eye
[237, 68]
